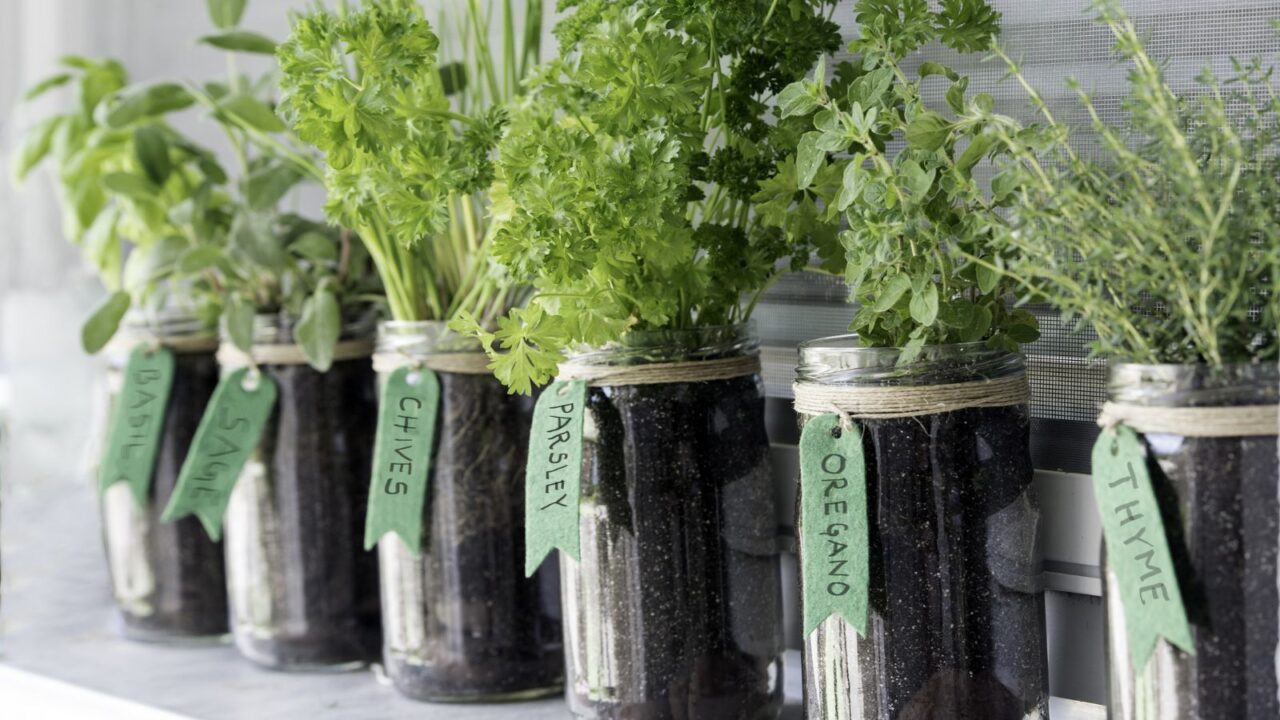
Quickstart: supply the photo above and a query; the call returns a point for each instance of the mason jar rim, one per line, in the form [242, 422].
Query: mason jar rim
[840, 360]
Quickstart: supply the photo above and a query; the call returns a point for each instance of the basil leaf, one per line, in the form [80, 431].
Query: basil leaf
[103, 323]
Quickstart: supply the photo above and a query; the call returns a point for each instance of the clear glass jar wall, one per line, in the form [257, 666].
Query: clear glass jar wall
[675, 608]
[168, 579]
[956, 613]
[461, 621]
[304, 592]
[1219, 498]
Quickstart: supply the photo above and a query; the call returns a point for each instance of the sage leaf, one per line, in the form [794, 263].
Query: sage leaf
[266, 186]
[319, 328]
[314, 246]
[225, 13]
[252, 235]
[241, 41]
[103, 323]
[146, 101]
[199, 259]
[252, 112]
[237, 320]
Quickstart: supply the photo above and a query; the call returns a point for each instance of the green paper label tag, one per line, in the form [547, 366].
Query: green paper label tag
[228, 433]
[133, 439]
[833, 524]
[553, 475]
[402, 456]
[1137, 546]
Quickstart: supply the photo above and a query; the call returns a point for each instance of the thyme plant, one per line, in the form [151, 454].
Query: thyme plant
[1169, 247]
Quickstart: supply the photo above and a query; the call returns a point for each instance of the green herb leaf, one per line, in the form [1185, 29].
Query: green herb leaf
[103, 323]
[46, 85]
[147, 101]
[131, 186]
[225, 13]
[199, 259]
[924, 305]
[237, 320]
[35, 146]
[928, 131]
[268, 185]
[987, 277]
[809, 159]
[252, 111]
[241, 41]
[314, 246]
[319, 328]
[892, 292]
[798, 98]
[152, 151]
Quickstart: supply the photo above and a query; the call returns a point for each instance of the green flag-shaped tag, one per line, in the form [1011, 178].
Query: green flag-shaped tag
[833, 524]
[1137, 546]
[228, 433]
[553, 475]
[402, 456]
[137, 421]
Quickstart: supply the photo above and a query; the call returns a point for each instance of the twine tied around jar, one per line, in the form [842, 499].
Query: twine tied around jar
[458, 363]
[687, 371]
[884, 402]
[1204, 422]
[232, 357]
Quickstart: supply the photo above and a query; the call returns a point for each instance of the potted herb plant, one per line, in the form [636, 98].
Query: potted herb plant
[1168, 247]
[407, 123]
[298, 326]
[142, 200]
[921, 572]
[623, 195]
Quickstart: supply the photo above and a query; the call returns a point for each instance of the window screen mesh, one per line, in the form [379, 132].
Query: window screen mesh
[1054, 42]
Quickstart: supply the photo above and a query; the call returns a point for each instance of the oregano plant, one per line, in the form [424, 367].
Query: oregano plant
[624, 184]
[899, 172]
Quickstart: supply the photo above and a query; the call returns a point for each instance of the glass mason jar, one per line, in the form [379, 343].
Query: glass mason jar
[304, 592]
[1222, 514]
[956, 601]
[460, 621]
[675, 609]
[167, 578]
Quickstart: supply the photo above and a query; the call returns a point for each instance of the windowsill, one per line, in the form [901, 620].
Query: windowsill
[56, 631]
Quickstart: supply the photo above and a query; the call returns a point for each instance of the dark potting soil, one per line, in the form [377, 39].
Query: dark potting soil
[956, 598]
[677, 613]
[1219, 501]
[323, 586]
[487, 632]
[190, 596]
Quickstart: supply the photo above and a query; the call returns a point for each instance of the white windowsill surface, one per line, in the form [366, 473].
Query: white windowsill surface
[60, 656]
